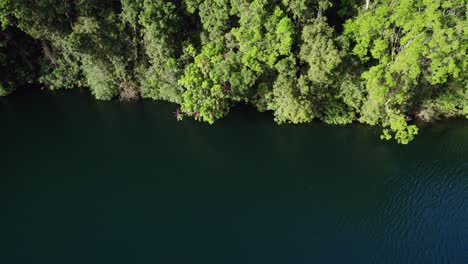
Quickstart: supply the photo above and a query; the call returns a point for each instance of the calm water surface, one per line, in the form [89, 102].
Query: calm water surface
[84, 181]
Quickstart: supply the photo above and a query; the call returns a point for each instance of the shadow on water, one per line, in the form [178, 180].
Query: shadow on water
[92, 181]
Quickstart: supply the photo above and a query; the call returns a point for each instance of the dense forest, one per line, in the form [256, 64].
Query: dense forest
[378, 62]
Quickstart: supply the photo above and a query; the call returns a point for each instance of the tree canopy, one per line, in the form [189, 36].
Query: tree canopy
[385, 62]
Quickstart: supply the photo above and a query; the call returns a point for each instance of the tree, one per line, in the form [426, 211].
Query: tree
[392, 61]
[158, 69]
[415, 50]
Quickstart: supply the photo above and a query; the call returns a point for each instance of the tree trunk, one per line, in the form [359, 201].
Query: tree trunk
[48, 53]
[367, 4]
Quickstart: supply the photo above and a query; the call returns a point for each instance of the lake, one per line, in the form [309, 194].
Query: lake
[87, 181]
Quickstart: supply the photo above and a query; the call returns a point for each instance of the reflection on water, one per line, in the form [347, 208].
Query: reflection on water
[102, 182]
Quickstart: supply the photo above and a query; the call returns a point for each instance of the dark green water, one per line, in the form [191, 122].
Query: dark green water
[84, 181]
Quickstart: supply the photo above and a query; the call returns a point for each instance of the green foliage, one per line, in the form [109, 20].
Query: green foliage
[215, 16]
[447, 104]
[60, 71]
[160, 69]
[264, 34]
[319, 51]
[205, 98]
[384, 65]
[337, 113]
[289, 103]
[305, 10]
[398, 128]
[410, 46]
